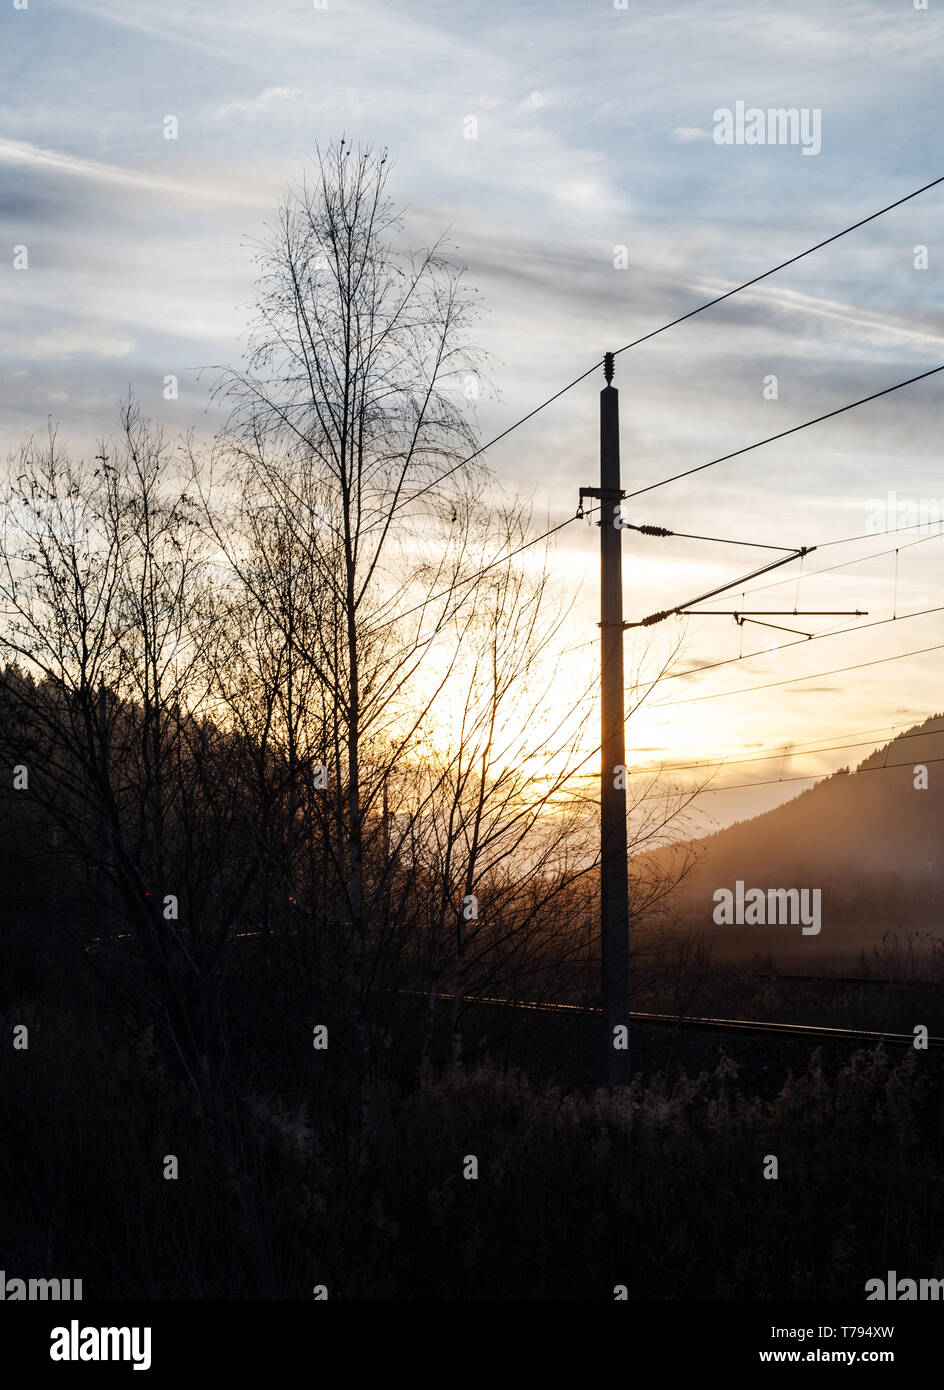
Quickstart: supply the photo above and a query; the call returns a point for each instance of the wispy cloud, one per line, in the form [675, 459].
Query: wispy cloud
[22, 153]
[56, 343]
[253, 107]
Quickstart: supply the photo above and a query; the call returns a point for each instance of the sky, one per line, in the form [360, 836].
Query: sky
[569, 151]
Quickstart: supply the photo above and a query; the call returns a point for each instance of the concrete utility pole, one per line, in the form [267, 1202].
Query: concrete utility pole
[614, 878]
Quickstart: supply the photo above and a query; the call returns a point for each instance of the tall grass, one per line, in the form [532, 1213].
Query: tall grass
[659, 1188]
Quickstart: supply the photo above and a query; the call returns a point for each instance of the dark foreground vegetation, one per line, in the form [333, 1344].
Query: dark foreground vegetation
[290, 1178]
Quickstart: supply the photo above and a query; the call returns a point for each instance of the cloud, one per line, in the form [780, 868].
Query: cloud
[534, 102]
[256, 106]
[21, 152]
[56, 343]
[685, 134]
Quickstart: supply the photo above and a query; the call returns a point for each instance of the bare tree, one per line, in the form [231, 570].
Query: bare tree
[107, 612]
[350, 424]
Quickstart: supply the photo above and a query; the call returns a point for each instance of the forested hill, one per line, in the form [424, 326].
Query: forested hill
[868, 836]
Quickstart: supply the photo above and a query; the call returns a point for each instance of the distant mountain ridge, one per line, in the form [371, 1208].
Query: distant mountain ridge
[869, 838]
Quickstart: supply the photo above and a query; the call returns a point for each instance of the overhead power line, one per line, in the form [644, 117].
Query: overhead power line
[892, 531]
[744, 656]
[694, 792]
[784, 751]
[815, 637]
[808, 777]
[663, 533]
[700, 309]
[726, 661]
[748, 656]
[846, 564]
[722, 589]
[814, 675]
[782, 266]
[794, 429]
[462, 583]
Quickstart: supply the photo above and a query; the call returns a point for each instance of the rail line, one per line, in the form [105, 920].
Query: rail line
[740, 1025]
[731, 1025]
[868, 980]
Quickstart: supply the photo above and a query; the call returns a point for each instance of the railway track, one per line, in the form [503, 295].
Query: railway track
[867, 980]
[733, 1025]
